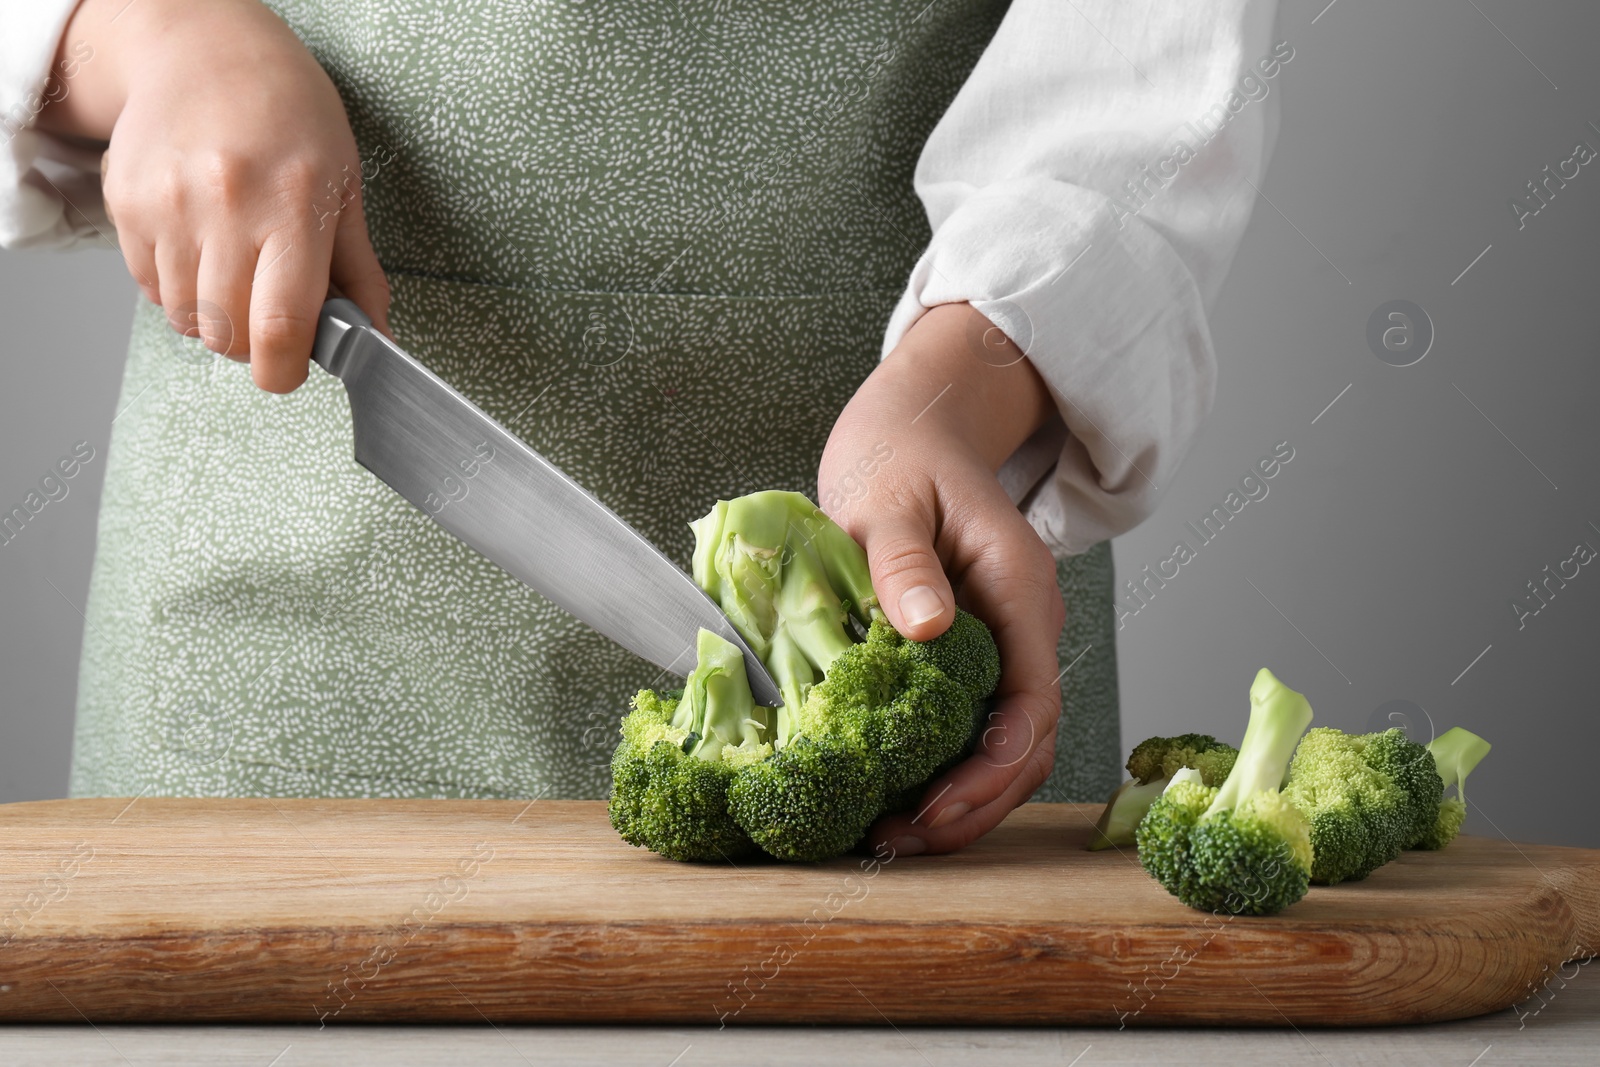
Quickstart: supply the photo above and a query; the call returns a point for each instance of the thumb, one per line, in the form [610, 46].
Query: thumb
[907, 575]
[355, 268]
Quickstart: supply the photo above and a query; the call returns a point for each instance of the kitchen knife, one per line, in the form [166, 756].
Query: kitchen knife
[482, 483]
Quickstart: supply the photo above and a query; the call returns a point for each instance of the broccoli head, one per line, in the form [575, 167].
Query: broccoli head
[1366, 796]
[1240, 848]
[868, 717]
[1455, 753]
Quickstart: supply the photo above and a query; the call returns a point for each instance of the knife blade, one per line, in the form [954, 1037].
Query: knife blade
[481, 482]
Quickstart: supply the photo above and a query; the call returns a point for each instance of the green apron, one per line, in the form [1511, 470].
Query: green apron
[659, 241]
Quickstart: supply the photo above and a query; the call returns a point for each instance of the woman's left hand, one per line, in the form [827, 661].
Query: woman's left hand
[909, 471]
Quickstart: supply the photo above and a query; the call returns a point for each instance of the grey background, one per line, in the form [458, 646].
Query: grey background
[1387, 552]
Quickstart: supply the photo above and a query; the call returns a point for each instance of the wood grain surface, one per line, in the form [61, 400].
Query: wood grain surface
[306, 910]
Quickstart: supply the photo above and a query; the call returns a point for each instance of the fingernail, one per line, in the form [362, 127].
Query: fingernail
[950, 814]
[907, 846]
[920, 604]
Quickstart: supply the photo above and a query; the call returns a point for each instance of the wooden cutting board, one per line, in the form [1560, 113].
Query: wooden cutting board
[344, 911]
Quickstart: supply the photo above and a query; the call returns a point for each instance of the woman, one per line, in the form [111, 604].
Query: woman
[666, 244]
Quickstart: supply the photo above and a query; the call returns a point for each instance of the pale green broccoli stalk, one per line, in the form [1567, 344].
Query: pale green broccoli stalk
[789, 579]
[1455, 752]
[1153, 763]
[1124, 810]
[1278, 718]
[717, 710]
[1241, 848]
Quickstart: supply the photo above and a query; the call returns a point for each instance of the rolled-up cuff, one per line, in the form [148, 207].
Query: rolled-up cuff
[49, 186]
[1112, 318]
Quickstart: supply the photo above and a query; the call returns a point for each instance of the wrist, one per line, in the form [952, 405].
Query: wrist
[968, 380]
[87, 86]
[109, 49]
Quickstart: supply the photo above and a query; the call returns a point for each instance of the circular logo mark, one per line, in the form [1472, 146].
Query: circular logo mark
[1003, 745]
[1405, 715]
[1001, 325]
[203, 734]
[1399, 333]
[207, 321]
[607, 337]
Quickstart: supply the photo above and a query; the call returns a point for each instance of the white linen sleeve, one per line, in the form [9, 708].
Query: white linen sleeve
[1087, 189]
[49, 186]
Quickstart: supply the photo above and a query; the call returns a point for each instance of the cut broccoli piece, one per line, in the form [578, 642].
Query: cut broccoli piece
[1160, 757]
[869, 717]
[879, 724]
[1455, 752]
[1124, 809]
[677, 758]
[1153, 763]
[1241, 848]
[1365, 795]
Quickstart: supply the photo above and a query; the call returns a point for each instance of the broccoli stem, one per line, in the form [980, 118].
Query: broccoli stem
[1278, 716]
[738, 559]
[795, 677]
[1456, 752]
[810, 611]
[717, 707]
[789, 580]
[1123, 812]
[844, 559]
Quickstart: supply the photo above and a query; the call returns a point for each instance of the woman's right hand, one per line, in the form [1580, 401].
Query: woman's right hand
[232, 176]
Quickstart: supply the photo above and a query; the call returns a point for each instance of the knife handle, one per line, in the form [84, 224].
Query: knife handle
[339, 316]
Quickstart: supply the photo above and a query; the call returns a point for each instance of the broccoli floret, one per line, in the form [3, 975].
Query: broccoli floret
[1152, 763]
[1455, 752]
[1160, 757]
[965, 654]
[1415, 771]
[868, 716]
[813, 799]
[881, 723]
[1366, 796]
[885, 695]
[678, 757]
[1241, 848]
